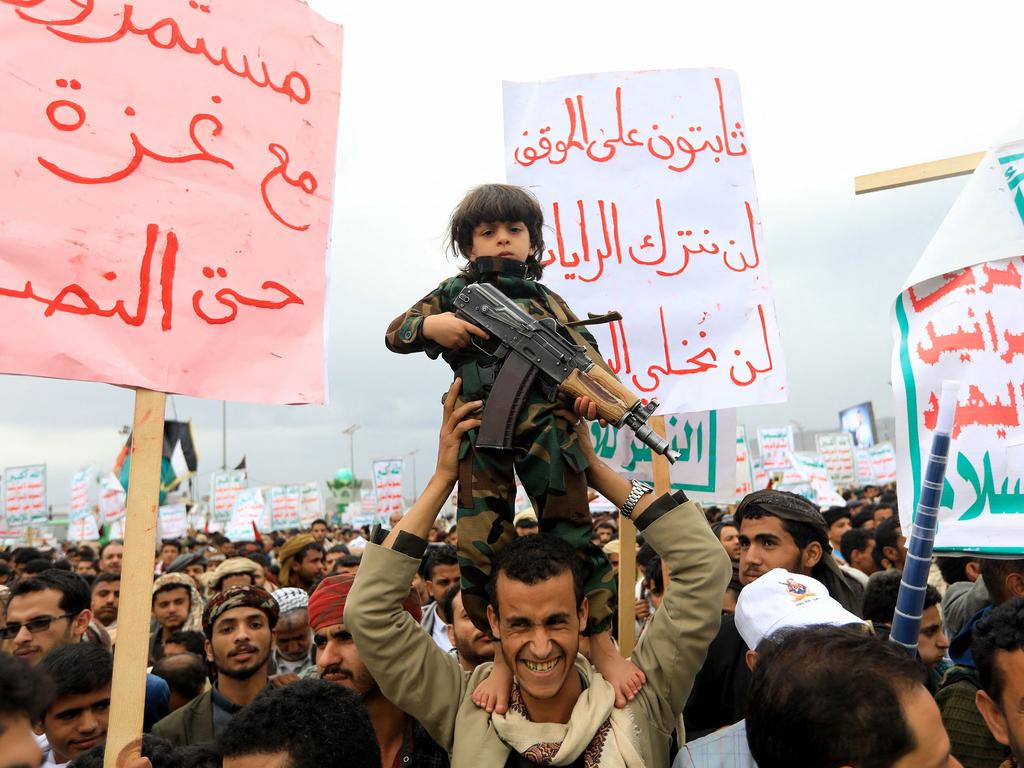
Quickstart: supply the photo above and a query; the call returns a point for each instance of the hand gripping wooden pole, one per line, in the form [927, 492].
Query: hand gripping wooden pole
[627, 553]
[128, 693]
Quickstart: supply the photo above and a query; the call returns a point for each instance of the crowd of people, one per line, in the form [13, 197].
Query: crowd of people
[762, 641]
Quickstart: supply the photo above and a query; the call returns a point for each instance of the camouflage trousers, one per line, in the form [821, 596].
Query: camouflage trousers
[558, 492]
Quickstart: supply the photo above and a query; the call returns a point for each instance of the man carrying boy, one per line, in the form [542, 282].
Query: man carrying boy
[562, 708]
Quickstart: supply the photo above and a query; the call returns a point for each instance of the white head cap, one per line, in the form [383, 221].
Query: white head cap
[780, 600]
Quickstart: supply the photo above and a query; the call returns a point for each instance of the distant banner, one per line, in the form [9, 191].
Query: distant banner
[775, 445]
[84, 529]
[249, 509]
[760, 475]
[284, 507]
[173, 521]
[311, 503]
[706, 443]
[112, 498]
[744, 468]
[883, 463]
[80, 483]
[387, 485]
[224, 489]
[647, 185]
[813, 474]
[25, 498]
[865, 474]
[836, 448]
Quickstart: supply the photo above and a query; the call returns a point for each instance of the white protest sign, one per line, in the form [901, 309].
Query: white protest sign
[865, 474]
[387, 485]
[311, 503]
[814, 471]
[284, 507]
[84, 529]
[836, 448]
[706, 443]
[883, 463]
[647, 186]
[112, 498]
[760, 475]
[775, 445]
[744, 469]
[248, 510]
[25, 499]
[79, 507]
[960, 316]
[224, 489]
[173, 521]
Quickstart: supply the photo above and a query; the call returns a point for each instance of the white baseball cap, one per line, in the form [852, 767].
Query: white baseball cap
[780, 600]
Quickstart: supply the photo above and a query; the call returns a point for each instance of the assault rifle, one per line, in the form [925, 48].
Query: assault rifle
[530, 347]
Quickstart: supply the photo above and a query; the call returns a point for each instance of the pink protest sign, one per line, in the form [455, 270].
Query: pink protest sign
[168, 174]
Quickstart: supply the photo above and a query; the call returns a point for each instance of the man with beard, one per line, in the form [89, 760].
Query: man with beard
[177, 606]
[302, 562]
[402, 740]
[471, 645]
[239, 627]
[293, 638]
[106, 596]
[777, 530]
[111, 555]
[44, 612]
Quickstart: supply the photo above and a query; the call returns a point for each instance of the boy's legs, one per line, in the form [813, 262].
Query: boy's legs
[486, 501]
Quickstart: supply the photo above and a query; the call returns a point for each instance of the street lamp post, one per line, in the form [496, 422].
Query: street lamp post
[351, 431]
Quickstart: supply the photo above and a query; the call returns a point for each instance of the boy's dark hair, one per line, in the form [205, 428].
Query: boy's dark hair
[856, 719]
[161, 754]
[185, 673]
[340, 548]
[23, 555]
[194, 642]
[1001, 629]
[881, 594]
[994, 572]
[887, 534]
[491, 203]
[75, 593]
[644, 555]
[855, 539]
[348, 561]
[282, 720]
[531, 559]
[102, 578]
[78, 668]
[25, 691]
[40, 564]
[442, 555]
[954, 569]
[654, 576]
[445, 606]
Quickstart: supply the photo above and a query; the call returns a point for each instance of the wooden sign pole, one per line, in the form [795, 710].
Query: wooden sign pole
[627, 552]
[946, 168]
[128, 693]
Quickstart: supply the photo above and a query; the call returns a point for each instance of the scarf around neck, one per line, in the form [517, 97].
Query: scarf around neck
[606, 737]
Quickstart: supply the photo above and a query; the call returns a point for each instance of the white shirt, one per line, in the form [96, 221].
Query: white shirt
[440, 634]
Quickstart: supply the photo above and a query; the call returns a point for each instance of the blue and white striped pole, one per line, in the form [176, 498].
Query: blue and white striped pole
[906, 622]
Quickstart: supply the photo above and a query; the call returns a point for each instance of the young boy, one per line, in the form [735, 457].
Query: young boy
[498, 229]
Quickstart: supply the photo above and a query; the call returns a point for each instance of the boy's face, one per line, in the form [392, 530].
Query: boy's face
[507, 239]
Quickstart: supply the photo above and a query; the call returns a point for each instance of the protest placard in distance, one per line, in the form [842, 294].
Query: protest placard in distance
[648, 190]
[25, 496]
[960, 316]
[836, 448]
[387, 486]
[169, 173]
[744, 467]
[775, 445]
[224, 489]
[284, 507]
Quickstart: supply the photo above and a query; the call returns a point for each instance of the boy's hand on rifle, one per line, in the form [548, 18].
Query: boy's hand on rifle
[454, 424]
[450, 331]
[587, 409]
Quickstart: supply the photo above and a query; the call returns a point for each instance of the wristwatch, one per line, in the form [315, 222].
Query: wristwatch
[636, 492]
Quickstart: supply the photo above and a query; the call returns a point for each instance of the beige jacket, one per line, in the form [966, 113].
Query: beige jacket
[429, 684]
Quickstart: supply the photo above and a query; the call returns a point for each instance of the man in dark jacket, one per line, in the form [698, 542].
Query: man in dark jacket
[239, 627]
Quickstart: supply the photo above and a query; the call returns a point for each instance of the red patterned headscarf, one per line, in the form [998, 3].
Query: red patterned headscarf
[327, 603]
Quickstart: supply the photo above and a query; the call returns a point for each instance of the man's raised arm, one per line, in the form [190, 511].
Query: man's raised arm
[412, 672]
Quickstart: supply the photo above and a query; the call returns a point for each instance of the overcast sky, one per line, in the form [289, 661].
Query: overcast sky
[828, 94]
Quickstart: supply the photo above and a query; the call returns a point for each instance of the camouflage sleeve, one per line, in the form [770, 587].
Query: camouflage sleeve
[405, 334]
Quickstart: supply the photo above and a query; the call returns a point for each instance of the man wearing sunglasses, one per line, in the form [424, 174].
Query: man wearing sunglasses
[45, 612]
